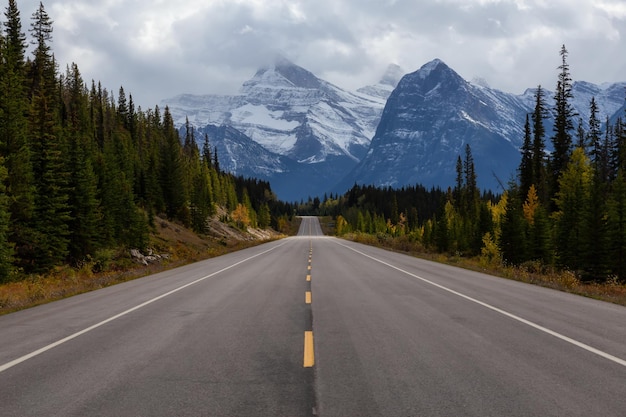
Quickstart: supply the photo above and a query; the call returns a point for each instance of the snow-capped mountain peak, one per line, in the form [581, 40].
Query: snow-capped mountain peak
[292, 113]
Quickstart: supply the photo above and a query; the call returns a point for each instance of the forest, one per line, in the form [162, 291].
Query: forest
[565, 208]
[82, 170]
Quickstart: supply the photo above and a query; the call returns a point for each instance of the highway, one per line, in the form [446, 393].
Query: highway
[314, 325]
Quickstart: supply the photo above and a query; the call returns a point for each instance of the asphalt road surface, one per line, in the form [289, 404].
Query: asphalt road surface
[312, 325]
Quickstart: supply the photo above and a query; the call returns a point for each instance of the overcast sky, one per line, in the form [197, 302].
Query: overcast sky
[159, 48]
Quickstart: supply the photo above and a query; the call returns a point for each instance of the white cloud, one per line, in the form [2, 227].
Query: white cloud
[160, 48]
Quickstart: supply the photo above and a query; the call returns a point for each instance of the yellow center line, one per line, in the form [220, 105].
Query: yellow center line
[307, 297]
[308, 278]
[309, 355]
[309, 268]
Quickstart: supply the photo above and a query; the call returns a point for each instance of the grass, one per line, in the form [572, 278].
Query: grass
[530, 272]
[112, 267]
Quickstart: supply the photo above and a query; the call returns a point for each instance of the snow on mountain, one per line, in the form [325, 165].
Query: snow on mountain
[433, 113]
[290, 112]
[427, 121]
[609, 99]
[292, 128]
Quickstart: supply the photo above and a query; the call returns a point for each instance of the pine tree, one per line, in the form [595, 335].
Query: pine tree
[206, 152]
[52, 213]
[540, 180]
[265, 217]
[538, 237]
[19, 183]
[459, 187]
[572, 217]
[563, 125]
[85, 207]
[593, 136]
[513, 238]
[172, 178]
[616, 226]
[526, 172]
[6, 247]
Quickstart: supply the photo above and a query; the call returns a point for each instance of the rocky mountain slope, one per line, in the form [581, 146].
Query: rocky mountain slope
[309, 137]
[434, 113]
[309, 129]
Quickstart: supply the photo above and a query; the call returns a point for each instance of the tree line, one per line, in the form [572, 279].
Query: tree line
[82, 170]
[565, 208]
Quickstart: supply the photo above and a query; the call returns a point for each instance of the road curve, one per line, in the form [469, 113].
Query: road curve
[313, 325]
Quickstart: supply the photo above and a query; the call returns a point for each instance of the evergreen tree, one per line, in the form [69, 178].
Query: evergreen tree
[19, 183]
[201, 200]
[52, 213]
[216, 161]
[85, 213]
[539, 175]
[526, 172]
[172, 171]
[572, 217]
[538, 228]
[6, 247]
[563, 125]
[513, 242]
[616, 226]
[265, 216]
[458, 189]
[206, 152]
[593, 137]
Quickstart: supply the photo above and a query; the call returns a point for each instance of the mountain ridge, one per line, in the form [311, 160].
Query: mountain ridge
[400, 131]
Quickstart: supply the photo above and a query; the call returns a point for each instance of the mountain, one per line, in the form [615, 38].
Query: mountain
[433, 113]
[320, 130]
[426, 123]
[609, 99]
[309, 137]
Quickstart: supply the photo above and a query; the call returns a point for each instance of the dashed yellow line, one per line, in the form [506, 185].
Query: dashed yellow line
[309, 355]
[309, 268]
[308, 278]
[307, 297]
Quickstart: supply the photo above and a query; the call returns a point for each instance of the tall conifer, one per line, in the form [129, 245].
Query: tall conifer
[563, 125]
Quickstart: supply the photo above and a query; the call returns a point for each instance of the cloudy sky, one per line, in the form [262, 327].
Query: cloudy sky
[159, 48]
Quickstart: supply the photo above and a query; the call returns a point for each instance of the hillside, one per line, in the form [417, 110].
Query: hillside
[171, 245]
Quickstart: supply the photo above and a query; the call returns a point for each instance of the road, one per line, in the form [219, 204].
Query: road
[312, 325]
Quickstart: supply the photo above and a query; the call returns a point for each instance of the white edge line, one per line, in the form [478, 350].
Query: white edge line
[574, 342]
[37, 352]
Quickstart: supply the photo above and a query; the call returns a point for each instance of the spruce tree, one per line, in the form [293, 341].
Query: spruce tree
[539, 170]
[513, 237]
[172, 176]
[206, 152]
[6, 247]
[616, 226]
[526, 174]
[593, 137]
[563, 125]
[19, 183]
[85, 207]
[572, 216]
[52, 211]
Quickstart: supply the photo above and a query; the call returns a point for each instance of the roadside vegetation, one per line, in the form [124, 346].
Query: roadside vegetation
[85, 176]
[560, 222]
[530, 272]
[175, 244]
